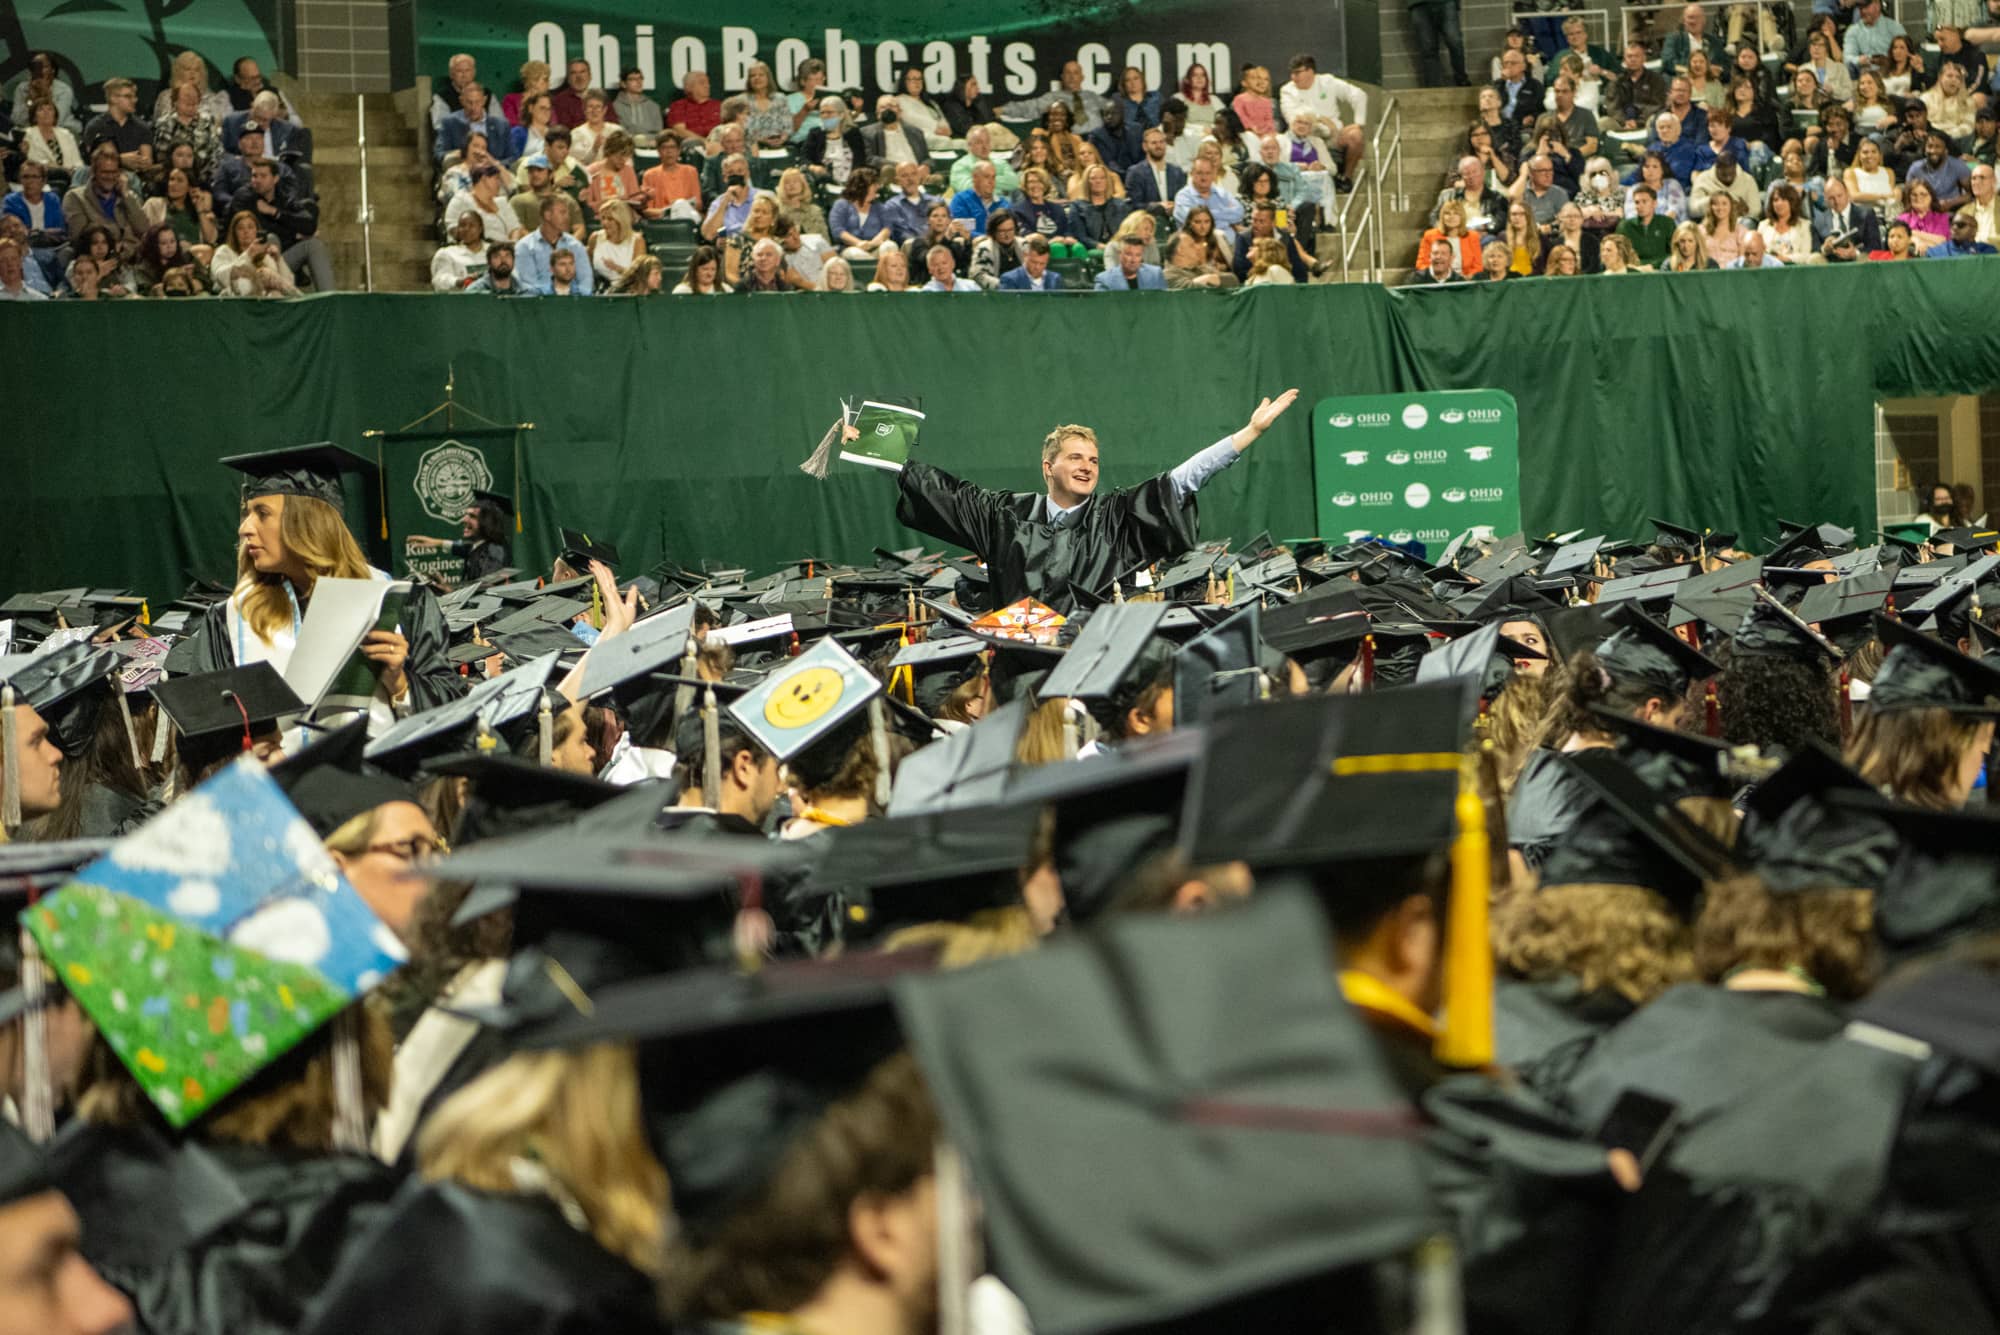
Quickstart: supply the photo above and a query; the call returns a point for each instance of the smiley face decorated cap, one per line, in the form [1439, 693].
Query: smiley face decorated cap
[212, 940]
[805, 699]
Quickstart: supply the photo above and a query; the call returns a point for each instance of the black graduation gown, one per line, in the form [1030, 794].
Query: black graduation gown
[448, 1260]
[110, 814]
[1543, 1028]
[481, 559]
[242, 1251]
[1066, 568]
[1546, 801]
[433, 680]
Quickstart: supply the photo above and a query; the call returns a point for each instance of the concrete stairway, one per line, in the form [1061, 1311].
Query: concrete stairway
[1434, 121]
[399, 189]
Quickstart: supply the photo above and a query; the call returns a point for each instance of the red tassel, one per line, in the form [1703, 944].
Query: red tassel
[795, 645]
[1367, 662]
[1846, 705]
[1889, 608]
[1714, 708]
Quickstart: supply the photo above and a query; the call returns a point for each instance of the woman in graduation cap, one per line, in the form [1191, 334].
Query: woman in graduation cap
[291, 536]
[1924, 731]
[482, 542]
[105, 780]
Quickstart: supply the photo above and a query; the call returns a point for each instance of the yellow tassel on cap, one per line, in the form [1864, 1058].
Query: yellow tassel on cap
[1466, 1040]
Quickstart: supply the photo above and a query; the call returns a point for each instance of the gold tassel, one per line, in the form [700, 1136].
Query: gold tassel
[10, 765]
[1466, 1039]
[711, 751]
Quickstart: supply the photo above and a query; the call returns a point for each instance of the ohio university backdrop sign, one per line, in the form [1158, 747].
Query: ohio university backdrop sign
[1015, 48]
[1417, 467]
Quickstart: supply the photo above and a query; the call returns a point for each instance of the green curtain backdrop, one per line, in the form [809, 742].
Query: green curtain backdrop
[674, 427]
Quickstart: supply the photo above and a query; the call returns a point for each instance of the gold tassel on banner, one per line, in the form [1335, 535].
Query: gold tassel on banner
[1466, 1040]
[382, 487]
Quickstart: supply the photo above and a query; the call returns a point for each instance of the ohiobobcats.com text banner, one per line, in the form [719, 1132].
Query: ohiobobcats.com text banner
[1015, 48]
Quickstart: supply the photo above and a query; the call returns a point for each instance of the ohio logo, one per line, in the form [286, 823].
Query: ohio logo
[1415, 416]
[1376, 419]
[1452, 416]
[447, 475]
[1397, 456]
[1479, 454]
[1416, 495]
[1401, 535]
[1454, 495]
[1354, 458]
[1433, 456]
[1341, 419]
[1378, 498]
[1488, 415]
[1487, 493]
[1433, 535]
[1343, 498]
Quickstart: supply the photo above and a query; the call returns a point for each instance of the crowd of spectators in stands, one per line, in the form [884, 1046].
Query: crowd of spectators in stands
[920, 189]
[1856, 142]
[213, 194]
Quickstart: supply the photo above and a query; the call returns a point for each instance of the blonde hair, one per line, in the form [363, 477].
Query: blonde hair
[1135, 222]
[1041, 740]
[790, 177]
[1913, 754]
[990, 934]
[619, 209]
[533, 70]
[315, 534]
[576, 1114]
[1052, 443]
[1692, 231]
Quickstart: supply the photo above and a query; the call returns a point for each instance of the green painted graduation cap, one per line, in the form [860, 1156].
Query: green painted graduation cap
[1221, 669]
[1329, 779]
[300, 470]
[578, 551]
[737, 1066]
[1633, 835]
[1910, 536]
[1643, 650]
[1920, 672]
[967, 768]
[1112, 646]
[330, 783]
[227, 898]
[1218, 1065]
[1770, 628]
[805, 699]
[939, 866]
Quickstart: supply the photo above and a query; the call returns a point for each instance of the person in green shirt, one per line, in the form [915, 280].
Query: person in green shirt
[978, 149]
[1650, 233]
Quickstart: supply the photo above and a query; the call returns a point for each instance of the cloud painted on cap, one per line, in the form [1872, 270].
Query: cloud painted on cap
[189, 838]
[292, 931]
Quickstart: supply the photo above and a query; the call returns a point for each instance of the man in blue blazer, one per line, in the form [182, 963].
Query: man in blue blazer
[1133, 273]
[1152, 182]
[1033, 274]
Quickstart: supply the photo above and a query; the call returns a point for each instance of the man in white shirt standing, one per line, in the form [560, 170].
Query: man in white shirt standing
[1322, 96]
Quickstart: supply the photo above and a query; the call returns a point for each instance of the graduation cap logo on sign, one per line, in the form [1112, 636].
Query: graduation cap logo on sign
[806, 699]
[212, 941]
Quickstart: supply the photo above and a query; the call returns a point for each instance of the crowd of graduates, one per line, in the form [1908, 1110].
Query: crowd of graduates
[1566, 934]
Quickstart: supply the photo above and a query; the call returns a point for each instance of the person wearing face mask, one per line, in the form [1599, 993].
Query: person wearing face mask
[887, 143]
[833, 147]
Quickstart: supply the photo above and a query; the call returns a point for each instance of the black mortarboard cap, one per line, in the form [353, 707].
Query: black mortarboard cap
[216, 709]
[1644, 651]
[578, 551]
[507, 795]
[65, 686]
[1575, 630]
[657, 643]
[1798, 836]
[1220, 669]
[1485, 657]
[28, 870]
[495, 704]
[1769, 627]
[1674, 764]
[300, 470]
[1718, 598]
[736, 1066]
[1844, 610]
[1327, 779]
[938, 666]
[940, 866]
[1019, 668]
[504, 504]
[1965, 539]
[1920, 672]
[1218, 1065]
[1500, 564]
[1944, 884]
[1675, 537]
[1106, 654]
[1633, 835]
[330, 783]
[1650, 586]
[968, 768]
[24, 1167]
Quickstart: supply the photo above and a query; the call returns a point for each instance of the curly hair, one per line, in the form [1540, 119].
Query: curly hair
[1610, 938]
[1515, 720]
[1827, 933]
[1768, 700]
